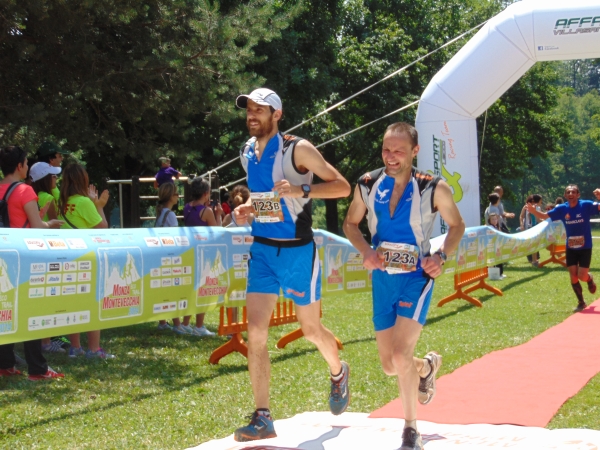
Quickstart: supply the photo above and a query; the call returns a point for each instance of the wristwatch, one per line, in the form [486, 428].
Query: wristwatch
[442, 256]
[306, 190]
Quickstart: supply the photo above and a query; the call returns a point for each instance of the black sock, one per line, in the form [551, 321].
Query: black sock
[578, 291]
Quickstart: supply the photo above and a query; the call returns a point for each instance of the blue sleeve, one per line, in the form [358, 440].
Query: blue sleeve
[590, 208]
[555, 214]
[172, 172]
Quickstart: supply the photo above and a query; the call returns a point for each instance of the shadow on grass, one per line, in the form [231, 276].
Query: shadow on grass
[484, 298]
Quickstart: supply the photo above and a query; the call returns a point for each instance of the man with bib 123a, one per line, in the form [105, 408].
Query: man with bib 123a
[401, 204]
[575, 215]
[283, 255]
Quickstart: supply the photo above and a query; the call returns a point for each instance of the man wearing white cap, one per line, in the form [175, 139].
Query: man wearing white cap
[283, 255]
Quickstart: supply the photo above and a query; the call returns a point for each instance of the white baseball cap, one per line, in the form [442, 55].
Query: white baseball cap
[40, 169]
[262, 96]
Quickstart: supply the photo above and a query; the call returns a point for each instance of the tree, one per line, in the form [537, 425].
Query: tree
[522, 125]
[126, 81]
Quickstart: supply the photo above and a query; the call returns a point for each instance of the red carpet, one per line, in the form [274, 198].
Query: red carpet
[524, 385]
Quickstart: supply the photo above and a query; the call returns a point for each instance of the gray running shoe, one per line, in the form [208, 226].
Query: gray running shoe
[580, 307]
[427, 385]
[411, 440]
[339, 397]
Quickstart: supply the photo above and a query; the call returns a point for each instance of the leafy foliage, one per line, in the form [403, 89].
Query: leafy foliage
[126, 81]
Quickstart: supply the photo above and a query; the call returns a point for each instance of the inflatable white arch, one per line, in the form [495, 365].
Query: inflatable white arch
[492, 61]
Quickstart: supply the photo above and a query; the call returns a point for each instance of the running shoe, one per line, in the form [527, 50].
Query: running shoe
[427, 387]
[182, 329]
[164, 326]
[99, 354]
[74, 352]
[411, 440]
[591, 285]
[10, 372]
[260, 427]
[46, 376]
[53, 347]
[63, 341]
[339, 397]
[202, 331]
[580, 307]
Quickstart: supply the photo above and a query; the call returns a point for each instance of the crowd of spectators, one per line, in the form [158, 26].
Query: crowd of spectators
[40, 194]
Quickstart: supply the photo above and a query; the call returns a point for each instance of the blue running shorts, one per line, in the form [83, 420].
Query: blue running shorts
[405, 295]
[292, 266]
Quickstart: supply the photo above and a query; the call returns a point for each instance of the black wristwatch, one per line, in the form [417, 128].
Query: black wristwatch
[306, 190]
[442, 256]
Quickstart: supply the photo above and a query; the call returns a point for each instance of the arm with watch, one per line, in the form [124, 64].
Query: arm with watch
[444, 203]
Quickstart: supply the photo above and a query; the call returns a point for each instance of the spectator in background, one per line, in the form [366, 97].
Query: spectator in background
[493, 221]
[239, 195]
[492, 207]
[503, 215]
[195, 214]
[558, 201]
[166, 173]
[81, 207]
[528, 221]
[550, 206]
[165, 217]
[226, 203]
[43, 181]
[52, 154]
[23, 213]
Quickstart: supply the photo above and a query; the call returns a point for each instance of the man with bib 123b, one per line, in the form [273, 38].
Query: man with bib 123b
[575, 214]
[401, 204]
[283, 255]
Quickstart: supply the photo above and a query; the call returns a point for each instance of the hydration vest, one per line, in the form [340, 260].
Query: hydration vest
[297, 211]
[422, 213]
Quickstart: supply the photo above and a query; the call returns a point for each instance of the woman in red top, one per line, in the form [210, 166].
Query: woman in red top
[23, 213]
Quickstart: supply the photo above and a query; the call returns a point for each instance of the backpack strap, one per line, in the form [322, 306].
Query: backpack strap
[68, 221]
[7, 194]
[164, 217]
[10, 189]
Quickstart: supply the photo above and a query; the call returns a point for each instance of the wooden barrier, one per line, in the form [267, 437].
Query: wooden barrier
[558, 255]
[229, 324]
[473, 277]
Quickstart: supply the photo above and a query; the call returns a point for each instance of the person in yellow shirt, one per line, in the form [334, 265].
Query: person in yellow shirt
[80, 206]
[43, 181]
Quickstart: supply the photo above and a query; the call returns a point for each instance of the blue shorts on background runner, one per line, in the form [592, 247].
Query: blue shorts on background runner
[292, 266]
[405, 295]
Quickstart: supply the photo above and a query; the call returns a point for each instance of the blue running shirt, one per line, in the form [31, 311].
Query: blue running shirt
[413, 220]
[297, 213]
[577, 222]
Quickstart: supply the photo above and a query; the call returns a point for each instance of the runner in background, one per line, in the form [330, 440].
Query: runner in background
[283, 255]
[401, 204]
[575, 214]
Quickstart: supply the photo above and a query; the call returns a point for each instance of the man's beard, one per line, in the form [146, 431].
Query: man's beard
[264, 129]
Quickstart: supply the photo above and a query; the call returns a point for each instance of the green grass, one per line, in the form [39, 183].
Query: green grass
[161, 392]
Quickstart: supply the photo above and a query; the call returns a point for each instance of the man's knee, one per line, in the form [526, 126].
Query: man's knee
[257, 334]
[402, 359]
[313, 332]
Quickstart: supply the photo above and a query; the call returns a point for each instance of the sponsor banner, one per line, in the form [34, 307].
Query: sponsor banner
[112, 278]
[446, 149]
[485, 246]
